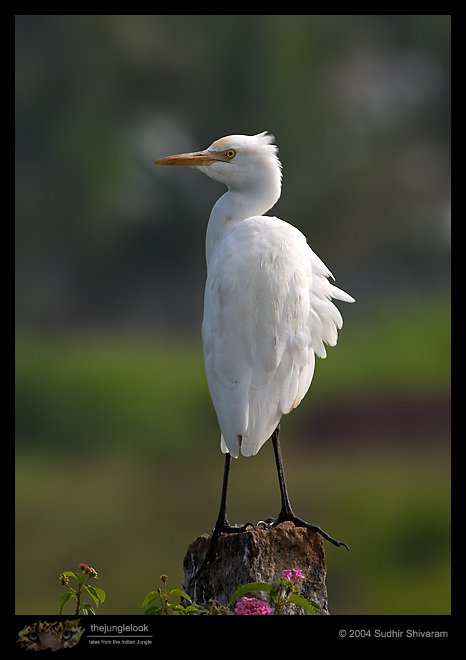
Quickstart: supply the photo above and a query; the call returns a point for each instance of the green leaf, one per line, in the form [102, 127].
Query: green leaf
[62, 600]
[154, 610]
[97, 593]
[251, 586]
[177, 609]
[178, 592]
[317, 608]
[71, 574]
[299, 600]
[275, 590]
[149, 599]
[94, 597]
[87, 609]
[192, 609]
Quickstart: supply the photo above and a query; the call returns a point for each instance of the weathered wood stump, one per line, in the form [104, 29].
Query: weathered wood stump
[257, 555]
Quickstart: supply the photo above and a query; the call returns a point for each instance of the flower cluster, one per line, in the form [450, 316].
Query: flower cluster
[292, 574]
[252, 606]
[64, 579]
[88, 569]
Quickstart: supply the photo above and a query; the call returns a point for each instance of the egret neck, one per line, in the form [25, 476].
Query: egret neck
[238, 205]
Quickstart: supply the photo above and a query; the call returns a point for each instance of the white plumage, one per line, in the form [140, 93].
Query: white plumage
[268, 300]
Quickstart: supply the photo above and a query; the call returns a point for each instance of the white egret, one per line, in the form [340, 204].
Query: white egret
[267, 308]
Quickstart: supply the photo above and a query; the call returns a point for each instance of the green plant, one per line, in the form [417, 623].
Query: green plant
[87, 573]
[281, 594]
[163, 598]
[158, 602]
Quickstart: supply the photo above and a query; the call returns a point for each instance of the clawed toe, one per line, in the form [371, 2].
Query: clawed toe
[298, 522]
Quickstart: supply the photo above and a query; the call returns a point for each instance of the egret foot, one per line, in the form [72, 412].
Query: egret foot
[232, 529]
[220, 528]
[288, 516]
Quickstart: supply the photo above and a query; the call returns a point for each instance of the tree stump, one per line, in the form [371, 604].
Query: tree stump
[257, 555]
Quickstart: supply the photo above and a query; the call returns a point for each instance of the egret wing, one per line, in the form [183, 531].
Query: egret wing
[267, 309]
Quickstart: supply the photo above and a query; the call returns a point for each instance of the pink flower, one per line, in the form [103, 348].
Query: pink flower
[88, 569]
[292, 574]
[252, 606]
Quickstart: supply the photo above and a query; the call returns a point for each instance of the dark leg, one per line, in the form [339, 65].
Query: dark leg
[286, 512]
[222, 526]
[222, 514]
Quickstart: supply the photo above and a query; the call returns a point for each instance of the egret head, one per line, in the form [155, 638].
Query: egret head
[238, 161]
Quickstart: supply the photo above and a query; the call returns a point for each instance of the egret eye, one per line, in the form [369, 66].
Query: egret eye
[231, 153]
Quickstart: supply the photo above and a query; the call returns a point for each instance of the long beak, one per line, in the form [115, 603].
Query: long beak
[195, 159]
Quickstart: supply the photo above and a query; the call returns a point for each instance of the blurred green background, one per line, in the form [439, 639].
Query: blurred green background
[117, 450]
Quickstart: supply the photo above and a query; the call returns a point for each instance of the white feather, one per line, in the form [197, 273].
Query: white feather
[267, 310]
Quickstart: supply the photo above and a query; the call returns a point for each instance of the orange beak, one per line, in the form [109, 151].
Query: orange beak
[195, 159]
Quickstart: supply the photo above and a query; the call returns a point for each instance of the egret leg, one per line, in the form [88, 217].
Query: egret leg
[222, 526]
[286, 512]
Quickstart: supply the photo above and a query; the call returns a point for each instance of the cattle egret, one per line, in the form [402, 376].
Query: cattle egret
[267, 308]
